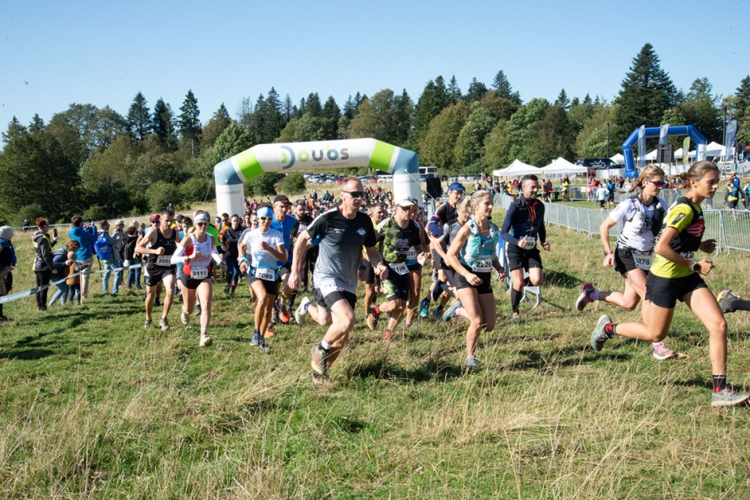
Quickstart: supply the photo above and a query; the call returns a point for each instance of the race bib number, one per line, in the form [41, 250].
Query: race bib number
[642, 260]
[200, 273]
[265, 274]
[164, 261]
[399, 267]
[530, 242]
[688, 255]
[411, 254]
[483, 266]
[329, 288]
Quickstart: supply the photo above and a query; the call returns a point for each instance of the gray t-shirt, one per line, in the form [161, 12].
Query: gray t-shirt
[341, 242]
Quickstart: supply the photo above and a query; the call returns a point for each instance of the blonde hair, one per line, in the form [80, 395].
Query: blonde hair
[697, 170]
[477, 196]
[464, 207]
[647, 174]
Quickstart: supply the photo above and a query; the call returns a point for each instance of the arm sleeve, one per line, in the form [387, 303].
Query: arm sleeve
[215, 255]
[178, 257]
[507, 223]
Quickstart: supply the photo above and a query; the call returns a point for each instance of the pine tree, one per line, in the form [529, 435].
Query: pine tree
[477, 90]
[742, 99]
[190, 125]
[330, 119]
[139, 118]
[432, 101]
[562, 100]
[454, 92]
[274, 123]
[647, 92]
[37, 124]
[288, 109]
[216, 126]
[163, 122]
[350, 109]
[313, 105]
[502, 88]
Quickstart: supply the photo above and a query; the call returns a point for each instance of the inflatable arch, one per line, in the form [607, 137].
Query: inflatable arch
[627, 146]
[231, 173]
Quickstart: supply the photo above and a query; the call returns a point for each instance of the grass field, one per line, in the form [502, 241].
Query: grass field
[95, 406]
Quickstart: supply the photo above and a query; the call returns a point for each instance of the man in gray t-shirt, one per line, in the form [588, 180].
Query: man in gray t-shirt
[343, 232]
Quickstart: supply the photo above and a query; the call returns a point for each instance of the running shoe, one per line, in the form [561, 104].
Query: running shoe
[301, 310]
[197, 311]
[473, 363]
[320, 380]
[184, 318]
[585, 297]
[263, 346]
[451, 312]
[319, 358]
[256, 340]
[205, 340]
[269, 331]
[387, 336]
[284, 315]
[728, 397]
[226, 288]
[662, 352]
[424, 307]
[164, 324]
[599, 337]
[147, 324]
[372, 321]
[438, 314]
[515, 318]
[726, 298]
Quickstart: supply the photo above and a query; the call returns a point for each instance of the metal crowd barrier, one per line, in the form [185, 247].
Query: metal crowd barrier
[730, 229]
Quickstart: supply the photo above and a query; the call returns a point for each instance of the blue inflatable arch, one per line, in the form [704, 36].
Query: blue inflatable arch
[689, 130]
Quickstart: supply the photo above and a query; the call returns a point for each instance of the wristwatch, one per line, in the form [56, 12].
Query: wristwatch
[608, 252]
[696, 266]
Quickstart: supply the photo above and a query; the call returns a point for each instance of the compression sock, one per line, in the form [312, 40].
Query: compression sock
[739, 305]
[720, 382]
[437, 290]
[610, 329]
[594, 295]
[376, 310]
[515, 299]
[325, 345]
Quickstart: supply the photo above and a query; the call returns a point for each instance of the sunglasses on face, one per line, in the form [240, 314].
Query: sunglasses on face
[354, 194]
[659, 184]
[265, 218]
[201, 223]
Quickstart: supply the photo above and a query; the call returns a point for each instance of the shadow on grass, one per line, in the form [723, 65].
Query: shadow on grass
[435, 368]
[561, 357]
[26, 354]
[561, 280]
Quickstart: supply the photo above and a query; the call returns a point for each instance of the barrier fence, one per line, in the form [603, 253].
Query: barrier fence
[730, 229]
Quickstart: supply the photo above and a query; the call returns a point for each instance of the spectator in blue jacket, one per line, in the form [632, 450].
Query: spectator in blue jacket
[85, 236]
[113, 262]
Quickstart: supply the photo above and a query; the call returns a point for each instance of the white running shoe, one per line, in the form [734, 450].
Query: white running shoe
[205, 340]
[301, 310]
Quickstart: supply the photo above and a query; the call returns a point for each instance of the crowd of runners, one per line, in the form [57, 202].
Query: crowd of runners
[321, 251]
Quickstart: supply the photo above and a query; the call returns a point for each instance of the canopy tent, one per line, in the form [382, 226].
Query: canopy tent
[714, 149]
[563, 166]
[618, 158]
[516, 168]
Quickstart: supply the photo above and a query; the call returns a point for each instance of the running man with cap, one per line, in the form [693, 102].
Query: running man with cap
[288, 226]
[163, 242]
[344, 230]
[445, 213]
[397, 235]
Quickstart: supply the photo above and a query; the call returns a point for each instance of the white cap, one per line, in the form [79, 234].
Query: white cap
[404, 202]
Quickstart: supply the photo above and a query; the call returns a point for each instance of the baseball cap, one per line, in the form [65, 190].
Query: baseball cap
[456, 186]
[404, 202]
[155, 218]
[281, 199]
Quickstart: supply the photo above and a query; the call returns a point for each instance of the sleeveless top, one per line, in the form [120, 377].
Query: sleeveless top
[169, 245]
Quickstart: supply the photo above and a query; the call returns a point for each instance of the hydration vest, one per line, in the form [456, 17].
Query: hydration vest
[477, 247]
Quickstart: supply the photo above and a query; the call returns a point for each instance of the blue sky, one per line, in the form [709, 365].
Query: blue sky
[57, 53]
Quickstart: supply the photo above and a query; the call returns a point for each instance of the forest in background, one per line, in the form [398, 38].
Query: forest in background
[104, 164]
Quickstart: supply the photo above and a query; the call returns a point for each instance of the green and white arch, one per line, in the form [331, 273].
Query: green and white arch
[232, 173]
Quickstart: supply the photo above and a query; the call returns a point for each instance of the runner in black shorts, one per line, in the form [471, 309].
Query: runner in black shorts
[642, 217]
[344, 230]
[676, 275]
[441, 245]
[163, 240]
[396, 235]
[377, 214]
[523, 225]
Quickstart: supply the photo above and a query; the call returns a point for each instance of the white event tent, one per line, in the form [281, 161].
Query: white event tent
[618, 158]
[563, 166]
[516, 168]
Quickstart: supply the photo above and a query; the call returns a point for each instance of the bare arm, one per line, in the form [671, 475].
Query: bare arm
[140, 247]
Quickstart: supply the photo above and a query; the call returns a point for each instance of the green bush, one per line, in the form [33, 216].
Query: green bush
[30, 213]
[293, 183]
[95, 212]
[263, 185]
[161, 194]
[197, 189]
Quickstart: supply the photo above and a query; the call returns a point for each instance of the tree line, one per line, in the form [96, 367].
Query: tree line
[101, 163]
